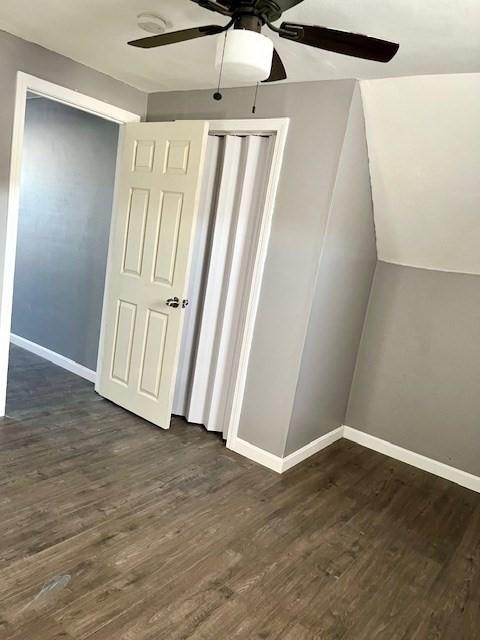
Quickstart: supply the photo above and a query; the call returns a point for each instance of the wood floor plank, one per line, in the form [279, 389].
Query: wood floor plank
[111, 529]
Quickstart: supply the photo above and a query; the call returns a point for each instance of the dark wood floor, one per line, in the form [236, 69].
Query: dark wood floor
[111, 529]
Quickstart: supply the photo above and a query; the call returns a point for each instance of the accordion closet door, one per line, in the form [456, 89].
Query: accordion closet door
[233, 196]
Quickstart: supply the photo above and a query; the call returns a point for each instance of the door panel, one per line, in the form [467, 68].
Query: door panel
[153, 350]
[123, 341]
[135, 235]
[167, 238]
[157, 193]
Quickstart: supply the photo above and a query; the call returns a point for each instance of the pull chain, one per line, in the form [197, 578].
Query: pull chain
[254, 108]
[217, 95]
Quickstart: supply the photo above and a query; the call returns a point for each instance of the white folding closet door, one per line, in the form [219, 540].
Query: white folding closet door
[249, 199]
[235, 206]
[212, 312]
[199, 272]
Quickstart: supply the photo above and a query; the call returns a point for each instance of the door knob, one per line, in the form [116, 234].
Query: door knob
[173, 302]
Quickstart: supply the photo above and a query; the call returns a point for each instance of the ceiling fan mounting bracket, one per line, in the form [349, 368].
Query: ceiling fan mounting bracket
[266, 10]
[248, 21]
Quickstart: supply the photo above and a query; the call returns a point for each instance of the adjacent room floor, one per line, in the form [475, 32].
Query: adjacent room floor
[113, 529]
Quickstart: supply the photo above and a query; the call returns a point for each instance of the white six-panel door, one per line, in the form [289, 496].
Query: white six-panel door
[157, 193]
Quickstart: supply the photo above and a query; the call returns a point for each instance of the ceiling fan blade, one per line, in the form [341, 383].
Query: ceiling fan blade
[220, 6]
[278, 70]
[285, 5]
[350, 44]
[176, 36]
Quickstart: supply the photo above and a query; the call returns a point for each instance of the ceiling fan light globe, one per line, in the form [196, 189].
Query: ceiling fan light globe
[247, 56]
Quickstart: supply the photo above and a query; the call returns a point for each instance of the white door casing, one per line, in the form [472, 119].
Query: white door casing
[157, 194]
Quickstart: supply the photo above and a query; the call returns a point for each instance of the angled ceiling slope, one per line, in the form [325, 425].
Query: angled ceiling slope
[424, 148]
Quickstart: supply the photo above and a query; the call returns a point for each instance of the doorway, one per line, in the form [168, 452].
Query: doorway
[29, 89]
[66, 193]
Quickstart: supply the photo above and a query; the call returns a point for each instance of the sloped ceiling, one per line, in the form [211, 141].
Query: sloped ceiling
[436, 36]
[424, 148]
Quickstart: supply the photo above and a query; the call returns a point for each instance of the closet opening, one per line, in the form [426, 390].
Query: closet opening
[189, 242]
[234, 189]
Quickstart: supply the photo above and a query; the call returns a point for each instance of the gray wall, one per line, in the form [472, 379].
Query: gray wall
[19, 55]
[417, 377]
[318, 113]
[68, 174]
[340, 297]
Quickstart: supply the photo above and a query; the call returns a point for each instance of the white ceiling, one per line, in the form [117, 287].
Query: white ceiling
[424, 149]
[436, 36]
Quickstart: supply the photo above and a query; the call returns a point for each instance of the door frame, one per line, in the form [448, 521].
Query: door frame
[33, 84]
[277, 128]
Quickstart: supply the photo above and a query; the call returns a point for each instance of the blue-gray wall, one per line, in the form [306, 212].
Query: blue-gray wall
[65, 209]
[18, 55]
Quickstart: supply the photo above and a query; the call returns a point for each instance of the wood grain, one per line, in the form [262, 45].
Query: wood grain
[168, 535]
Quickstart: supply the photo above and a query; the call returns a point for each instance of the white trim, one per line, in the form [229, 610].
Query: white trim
[311, 448]
[279, 464]
[52, 356]
[440, 469]
[25, 83]
[74, 99]
[101, 340]
[278, 127]
[256, 454]
[254, 126]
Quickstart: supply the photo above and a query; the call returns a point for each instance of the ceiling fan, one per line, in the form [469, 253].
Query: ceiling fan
[251, 54]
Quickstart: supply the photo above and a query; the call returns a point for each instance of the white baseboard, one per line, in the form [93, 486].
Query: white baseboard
[56, 358]
[256, 454]
[440, 469]
[279, 464]
[311, 448]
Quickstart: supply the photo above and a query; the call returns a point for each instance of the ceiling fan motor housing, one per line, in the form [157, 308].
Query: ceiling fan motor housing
[248, 22]
[266, 10]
